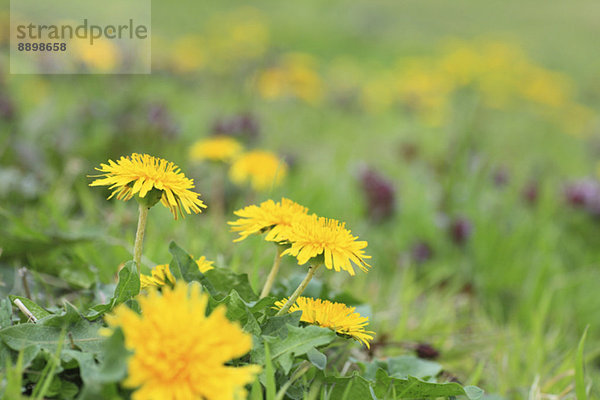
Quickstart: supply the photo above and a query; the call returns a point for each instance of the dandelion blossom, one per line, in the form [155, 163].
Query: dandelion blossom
[140, 174]
[313, 236]
[336, 316]
[161, 274]
[262, 169]
[179, 352]
[218, 148]
[269, 216]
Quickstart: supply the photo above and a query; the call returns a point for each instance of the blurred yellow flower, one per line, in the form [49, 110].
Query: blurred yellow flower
[140, 174]
[236, 37]
[261, 168]
[546, 88]
[102, 56]
[268, 216]
[216, 148]
[336, 316]
[179, 352]
[312, 236]
[188, 54]
[424, 89]
[295, 76]
[161, 274]
[272, 83]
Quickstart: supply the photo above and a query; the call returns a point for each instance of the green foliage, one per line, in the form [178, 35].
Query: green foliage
[298, 342]
[505, 309]
[37, 311]
[127, 287]
[66, 345]
[356, 387]
[281, 343]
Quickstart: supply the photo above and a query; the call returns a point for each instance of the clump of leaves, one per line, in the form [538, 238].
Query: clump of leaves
[64, 355]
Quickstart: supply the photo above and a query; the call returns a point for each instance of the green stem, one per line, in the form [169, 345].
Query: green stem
[139, 237]
[271, 278]
[311, 272]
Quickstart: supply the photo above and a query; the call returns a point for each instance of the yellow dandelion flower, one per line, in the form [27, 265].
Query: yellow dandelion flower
[312, 236]
[102, 56]
[296, 76]
[261, 168]
[139, 174]
[269, 216]
[336, 316]
[161, 274]
[217, 148]
[179, 352]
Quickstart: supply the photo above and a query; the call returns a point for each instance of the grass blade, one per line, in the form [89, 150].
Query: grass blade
[270, 374]
[579, 368]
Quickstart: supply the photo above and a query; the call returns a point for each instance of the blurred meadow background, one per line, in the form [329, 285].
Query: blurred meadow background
[460, 139]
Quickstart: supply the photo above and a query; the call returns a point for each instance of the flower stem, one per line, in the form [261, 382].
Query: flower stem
[311, 272]
[271, 278]
[139, 237]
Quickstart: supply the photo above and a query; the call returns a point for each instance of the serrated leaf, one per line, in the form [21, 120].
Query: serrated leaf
[128, 287]
[82, 334]
[184, 267]
[298, 342]
[37, 311]
[356, 387]
[70, 315]
[238, 310]
[353, 387]
[218, 281]
[277, 325]
[414, 388]
[405, 366]
[263, 308]
[224, 280]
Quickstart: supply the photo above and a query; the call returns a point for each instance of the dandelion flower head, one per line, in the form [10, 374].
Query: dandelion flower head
[269, 216]
[218, 148]
[179, 352]
[335, 316]
[312, 236]
[140, 174]
[261, 168]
